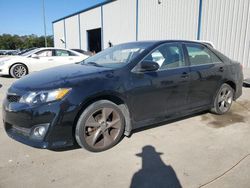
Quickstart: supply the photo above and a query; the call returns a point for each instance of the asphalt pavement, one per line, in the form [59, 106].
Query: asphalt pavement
[203, 150]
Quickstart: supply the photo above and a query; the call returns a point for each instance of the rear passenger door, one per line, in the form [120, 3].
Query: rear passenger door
[206, 73]
[63, 57]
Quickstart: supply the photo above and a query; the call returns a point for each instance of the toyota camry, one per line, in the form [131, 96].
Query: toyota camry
[95, 102]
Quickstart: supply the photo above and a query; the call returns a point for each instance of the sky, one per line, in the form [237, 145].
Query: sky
[25, 17]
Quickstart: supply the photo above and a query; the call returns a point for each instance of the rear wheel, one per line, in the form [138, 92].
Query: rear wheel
[100, 126]
[18, 71]
[224, 99]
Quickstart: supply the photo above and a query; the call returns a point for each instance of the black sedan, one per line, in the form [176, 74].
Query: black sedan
[124, 87]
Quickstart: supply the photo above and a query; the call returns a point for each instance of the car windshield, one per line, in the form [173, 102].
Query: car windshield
[29, 52]
[117, 56]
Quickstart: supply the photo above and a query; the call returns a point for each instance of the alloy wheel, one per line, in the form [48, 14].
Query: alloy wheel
[19, 71]
[102, 128]
[225, 99]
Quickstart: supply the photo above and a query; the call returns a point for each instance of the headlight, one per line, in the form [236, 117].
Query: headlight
[44, 96]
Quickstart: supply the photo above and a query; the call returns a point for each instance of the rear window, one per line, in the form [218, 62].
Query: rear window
[64, 53]
[199, 55]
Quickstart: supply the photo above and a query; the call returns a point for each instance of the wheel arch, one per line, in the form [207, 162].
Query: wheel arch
[119, 101]
[230, 83]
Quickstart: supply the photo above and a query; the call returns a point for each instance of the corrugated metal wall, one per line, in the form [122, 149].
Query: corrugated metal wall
[224, 22]
[227, 24]
[119, 22]
[89, 20]
[72, 32]
[58, 30]
[171, 19]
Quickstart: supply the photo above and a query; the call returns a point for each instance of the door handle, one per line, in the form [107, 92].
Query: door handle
[221, 69]
[184, 75]
[70, 58]
[50, 59]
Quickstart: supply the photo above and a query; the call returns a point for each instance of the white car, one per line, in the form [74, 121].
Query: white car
[36, 60]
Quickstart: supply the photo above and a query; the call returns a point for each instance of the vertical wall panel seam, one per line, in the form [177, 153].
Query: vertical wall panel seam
[236, 30]
[102, 29]
[65, 38]
[199, 20]
[240, 19]
[247, 43]
[137, 14]
[220, 28]
[233, 31]
[53, 33]
[80, 35]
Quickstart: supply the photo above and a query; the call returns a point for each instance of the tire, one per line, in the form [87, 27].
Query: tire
[18, 70]
[100, 126]
[223, 100]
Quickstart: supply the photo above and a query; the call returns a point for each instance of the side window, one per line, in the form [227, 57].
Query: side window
[44, 53]
[62, 53]
[168, 56]
[199, 55]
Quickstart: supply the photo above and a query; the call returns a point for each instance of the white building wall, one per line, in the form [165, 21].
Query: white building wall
[119, 22]
[89, 20]
[227, 24]
[58, 30]
[171, 19]
[224, 22]
[72, 32]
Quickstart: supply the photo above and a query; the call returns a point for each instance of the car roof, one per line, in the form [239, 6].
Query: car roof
[158, 42]
[52, 48]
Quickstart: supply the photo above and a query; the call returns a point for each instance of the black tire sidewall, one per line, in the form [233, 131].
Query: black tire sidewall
[80, 127]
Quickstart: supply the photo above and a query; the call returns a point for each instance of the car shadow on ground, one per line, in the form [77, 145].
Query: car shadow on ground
[68, 148]
[6, 76]
[154, 172]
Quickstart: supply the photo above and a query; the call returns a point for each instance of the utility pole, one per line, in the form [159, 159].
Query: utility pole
[44, 23]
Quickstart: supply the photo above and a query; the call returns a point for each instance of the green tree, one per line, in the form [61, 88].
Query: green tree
[14, 42]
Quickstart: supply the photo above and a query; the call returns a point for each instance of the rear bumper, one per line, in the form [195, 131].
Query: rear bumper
[238, 91]
[239, 86]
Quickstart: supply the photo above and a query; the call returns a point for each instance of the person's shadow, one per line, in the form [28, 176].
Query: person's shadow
[154, 172]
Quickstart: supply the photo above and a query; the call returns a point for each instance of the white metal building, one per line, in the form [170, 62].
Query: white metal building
[226, 23]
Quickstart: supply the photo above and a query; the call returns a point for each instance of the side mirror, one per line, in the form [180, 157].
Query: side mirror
[34, 56]
[148, 65]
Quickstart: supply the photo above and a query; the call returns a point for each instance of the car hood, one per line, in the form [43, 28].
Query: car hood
[58, 77]
[11, 58]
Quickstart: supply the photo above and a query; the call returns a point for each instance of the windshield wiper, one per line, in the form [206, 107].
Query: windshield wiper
[93, 63]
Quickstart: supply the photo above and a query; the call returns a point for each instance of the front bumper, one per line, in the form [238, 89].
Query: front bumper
[20, 120]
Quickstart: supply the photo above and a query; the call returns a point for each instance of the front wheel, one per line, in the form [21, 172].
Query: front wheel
[18, 71]
[100, 126]
[224, 99]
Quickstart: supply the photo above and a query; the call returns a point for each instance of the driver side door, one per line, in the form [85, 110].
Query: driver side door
[44, 59]
[162, 93]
